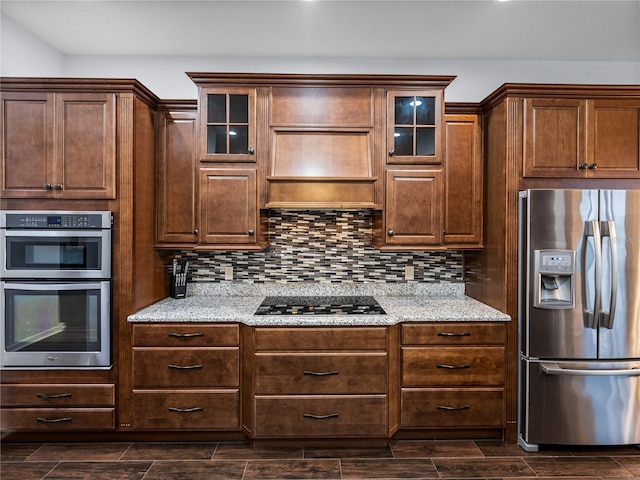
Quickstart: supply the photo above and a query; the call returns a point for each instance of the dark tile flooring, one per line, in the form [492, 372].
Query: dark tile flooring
[400, 460]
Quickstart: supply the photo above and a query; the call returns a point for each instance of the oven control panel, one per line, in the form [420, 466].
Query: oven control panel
[45, 220]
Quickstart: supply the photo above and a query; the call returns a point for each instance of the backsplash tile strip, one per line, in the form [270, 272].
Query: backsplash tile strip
[327, 246]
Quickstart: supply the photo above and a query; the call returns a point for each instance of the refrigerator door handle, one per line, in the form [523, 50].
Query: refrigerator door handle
[608, 229]
[555, 369]
[591, 229]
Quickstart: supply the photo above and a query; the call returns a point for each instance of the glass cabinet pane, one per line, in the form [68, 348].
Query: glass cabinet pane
[216, 139]
[425, 141]
[216, 108]
[425, 111]
[403, 141]
[404, 111]
[238, 108]
[238, 139]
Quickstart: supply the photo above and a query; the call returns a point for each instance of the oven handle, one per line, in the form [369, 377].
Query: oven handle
[39, 287]
[96, 233]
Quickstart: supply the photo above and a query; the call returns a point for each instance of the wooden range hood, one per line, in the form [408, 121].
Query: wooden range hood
[321, 169]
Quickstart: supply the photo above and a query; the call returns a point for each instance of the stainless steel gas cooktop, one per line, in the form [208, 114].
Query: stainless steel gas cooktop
[320, 305]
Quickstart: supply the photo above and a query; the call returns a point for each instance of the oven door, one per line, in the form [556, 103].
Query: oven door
[56, 325]
[56, 254]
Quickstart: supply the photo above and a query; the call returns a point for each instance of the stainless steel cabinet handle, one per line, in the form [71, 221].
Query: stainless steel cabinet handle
[444, 407]
[320, 374]
[185, 335]
[320, 417]
[47, 186]
[391, 233]
[57, 186]
[555, 369]
[453, 367]
[591, 229]
[251, 232]
[185, 367]
[48, 396]
[186, 410]
[53, 420]
[250, 150]
[392, 153]
[450, 334]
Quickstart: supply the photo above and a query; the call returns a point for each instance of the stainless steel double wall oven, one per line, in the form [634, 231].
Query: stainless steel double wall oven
[55, 289]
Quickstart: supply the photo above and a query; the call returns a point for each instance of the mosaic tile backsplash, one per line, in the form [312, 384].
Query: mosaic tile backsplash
[330, 246]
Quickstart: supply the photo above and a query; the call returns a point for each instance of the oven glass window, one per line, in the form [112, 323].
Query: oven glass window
[52, 320]
[68, 253]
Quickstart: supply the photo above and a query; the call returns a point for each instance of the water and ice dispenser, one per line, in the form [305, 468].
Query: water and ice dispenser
[554, 279]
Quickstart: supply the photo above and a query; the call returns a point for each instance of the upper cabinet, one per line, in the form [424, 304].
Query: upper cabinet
[227, 124]
[58, 145]
[581, 137]
[414, 126]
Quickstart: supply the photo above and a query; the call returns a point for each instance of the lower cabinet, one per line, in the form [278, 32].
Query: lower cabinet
[452, 376]
[57, 407]
[186, 377]
[319, 383]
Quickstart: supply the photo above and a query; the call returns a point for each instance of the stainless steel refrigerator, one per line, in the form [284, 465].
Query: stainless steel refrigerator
[579, 317]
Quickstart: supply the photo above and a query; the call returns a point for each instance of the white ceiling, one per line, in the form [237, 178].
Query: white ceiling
[578, 30]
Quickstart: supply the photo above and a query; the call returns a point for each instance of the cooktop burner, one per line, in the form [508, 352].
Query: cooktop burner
[320, 305]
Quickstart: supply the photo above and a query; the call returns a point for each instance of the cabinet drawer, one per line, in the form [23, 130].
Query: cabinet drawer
[448, 366]
[50, 395]
[321, 373]
[348, 338]
[186, 410]
[453, 334]
[451, 407]
[188, 367]
[50, 419]
[186, 335]
[321, 416]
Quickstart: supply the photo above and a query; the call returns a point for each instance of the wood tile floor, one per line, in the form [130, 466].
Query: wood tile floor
[229, 461]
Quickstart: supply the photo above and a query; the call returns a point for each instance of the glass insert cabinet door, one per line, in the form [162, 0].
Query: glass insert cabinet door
[227, 125]
[414, 122]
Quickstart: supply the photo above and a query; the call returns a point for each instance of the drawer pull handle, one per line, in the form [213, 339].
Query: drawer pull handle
[186, 410]
[185, 335]
[185, 367]
[443, 407]
[48, 396]
[53, 420]
[320, 374]
[451, 334]
[454, 367]
[320, 417]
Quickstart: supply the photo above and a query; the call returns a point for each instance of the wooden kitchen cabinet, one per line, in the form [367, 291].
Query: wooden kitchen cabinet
[463, 188]
[228, 215]
[58, 145]
[186, 377]
[177, 175]
[57, 407]
[414, 207]
[320, 382]
[227, 124]
[452, 376]
[581, 138]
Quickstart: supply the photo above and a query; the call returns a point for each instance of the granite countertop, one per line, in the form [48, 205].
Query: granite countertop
[238, 302]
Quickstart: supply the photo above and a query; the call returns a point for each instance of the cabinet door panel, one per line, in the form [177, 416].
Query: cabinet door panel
[321, 338]
[414, 207]
[53, 395]
[55, 419]
[188, 367]
[86, 145]
[453, 334]
[186, 335]
[452, 407]
[614, 138]
[186, 409]
[449, 366]
[177, 178]
[554, 137]
[321, 373]
[463, 190]
[321, 416]
[228, 206]
[27, 144]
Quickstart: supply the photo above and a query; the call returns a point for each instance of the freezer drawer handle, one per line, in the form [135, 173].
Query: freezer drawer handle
[555, 369]
[444, 407]
[186, 410]
[320, 417]
[320, 374]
